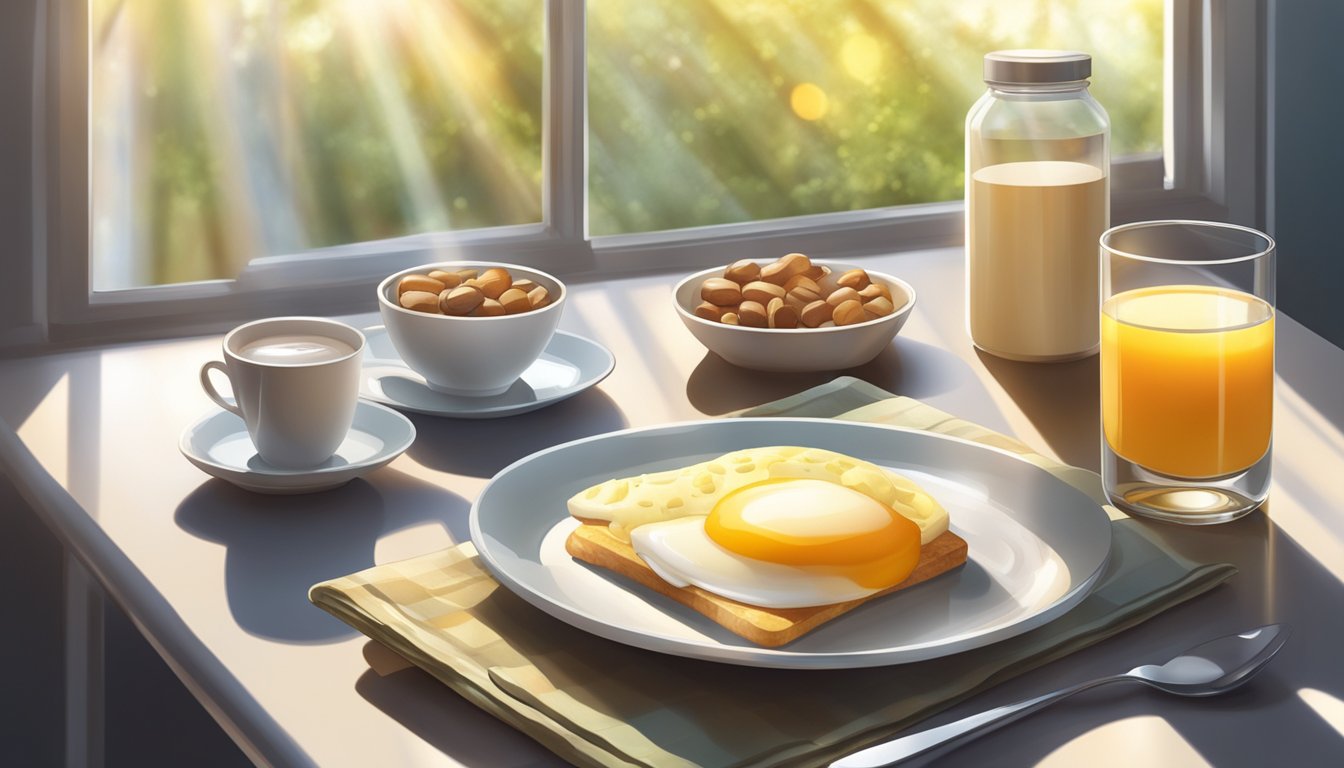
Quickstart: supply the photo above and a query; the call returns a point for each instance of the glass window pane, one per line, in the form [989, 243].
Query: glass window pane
[712, 111]
[223, 130]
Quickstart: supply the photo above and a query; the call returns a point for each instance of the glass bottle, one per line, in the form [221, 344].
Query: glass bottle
[1037, 201]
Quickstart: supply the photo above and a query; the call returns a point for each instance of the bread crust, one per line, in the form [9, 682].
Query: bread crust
[593, 543]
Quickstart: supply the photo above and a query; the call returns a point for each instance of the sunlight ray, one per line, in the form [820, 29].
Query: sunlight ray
[1143, 740]
[421, 193]
[458, 60]
[113, 225]
[1329, 708]
[224, 122]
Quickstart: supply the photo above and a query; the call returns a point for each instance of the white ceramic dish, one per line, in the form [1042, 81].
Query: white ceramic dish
[297, 412]
[795, 349]
[569, 365]
[470, 356]
[1036, 544]
[218, 444]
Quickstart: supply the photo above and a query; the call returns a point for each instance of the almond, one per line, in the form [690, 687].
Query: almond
[752, 314]
[762, 292]
[420, 301]
[816, 313]
[539, 297]
[742, 272]
[849, 313]
[841, 295]
[878, 307]
[781, 315]
[854, 278]
[488, 308]
[802, 296]
[449, 279]
[422, 283]
[460, 300]
[514, 301]
[721, 291]
[780, 271]
[494, 282]
[803, 281]
[711, 312]
[873, 291]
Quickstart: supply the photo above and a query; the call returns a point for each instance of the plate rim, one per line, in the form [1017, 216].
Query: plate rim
[201, 461]
[499, 411]
[761, 656]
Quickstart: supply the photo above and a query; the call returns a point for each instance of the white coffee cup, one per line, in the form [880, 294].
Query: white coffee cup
[295, 383]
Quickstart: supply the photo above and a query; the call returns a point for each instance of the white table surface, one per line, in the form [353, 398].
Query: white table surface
[217, 577]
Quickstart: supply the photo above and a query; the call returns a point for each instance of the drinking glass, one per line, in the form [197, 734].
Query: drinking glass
[1187, 369]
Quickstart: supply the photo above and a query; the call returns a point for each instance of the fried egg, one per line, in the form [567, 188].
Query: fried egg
[778, 527]
[627, 503]
[785, 543]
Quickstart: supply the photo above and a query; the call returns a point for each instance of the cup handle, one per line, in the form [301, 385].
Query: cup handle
[209, 386]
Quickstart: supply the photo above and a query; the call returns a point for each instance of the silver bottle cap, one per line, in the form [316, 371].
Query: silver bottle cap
[1035, 67]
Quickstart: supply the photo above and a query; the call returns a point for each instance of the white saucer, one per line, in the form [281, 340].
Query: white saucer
[569, 365]
[218, 444]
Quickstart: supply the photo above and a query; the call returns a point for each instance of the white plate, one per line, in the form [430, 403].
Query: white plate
[219, 445]
[1036, 544]
[569, 364]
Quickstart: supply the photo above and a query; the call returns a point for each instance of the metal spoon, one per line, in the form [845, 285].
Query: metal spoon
[1205, 670]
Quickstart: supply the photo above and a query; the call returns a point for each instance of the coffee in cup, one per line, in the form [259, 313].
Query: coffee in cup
[295, 350]
[295, 383]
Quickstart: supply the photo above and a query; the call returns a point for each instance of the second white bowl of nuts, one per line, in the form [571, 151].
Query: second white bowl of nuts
[793, 314]
[468, 327]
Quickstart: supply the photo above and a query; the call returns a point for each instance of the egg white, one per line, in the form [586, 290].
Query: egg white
[681, 553]
[628, 503]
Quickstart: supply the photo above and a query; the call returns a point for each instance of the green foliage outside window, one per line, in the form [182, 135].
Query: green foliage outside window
[227, 130]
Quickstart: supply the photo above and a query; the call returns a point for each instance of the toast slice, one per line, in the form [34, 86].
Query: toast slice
[593, 543]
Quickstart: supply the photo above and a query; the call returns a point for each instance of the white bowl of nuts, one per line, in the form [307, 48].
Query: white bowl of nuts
[793, 314]
[470, 328]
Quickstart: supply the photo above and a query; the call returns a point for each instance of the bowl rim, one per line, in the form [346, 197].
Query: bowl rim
[688, 316]
[385, 302]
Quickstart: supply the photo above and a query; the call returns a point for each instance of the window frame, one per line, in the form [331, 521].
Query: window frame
[1215, 124]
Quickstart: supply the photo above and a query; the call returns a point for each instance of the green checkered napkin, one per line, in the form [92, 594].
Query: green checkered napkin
[599, 703]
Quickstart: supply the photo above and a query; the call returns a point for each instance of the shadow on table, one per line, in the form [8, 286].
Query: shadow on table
[1062, 400]
[432, 711]
[279, 546]
[482, 447]
[1278, 581]
[904, 367]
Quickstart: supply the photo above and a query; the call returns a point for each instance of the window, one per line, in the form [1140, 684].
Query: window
[223, 131]
[723, 111]
[262, 138]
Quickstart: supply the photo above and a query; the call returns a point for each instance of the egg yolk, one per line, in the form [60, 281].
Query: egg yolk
[817, 523]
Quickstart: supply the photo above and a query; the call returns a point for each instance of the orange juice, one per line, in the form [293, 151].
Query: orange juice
[1187, 378]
